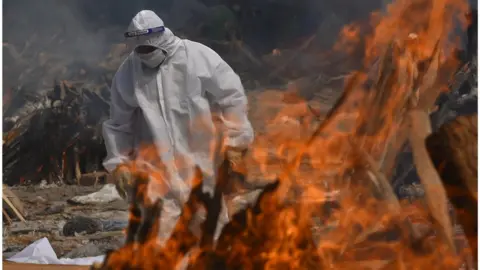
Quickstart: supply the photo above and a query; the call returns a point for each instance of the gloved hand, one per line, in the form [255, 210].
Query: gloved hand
[123, 181]
[236, 157]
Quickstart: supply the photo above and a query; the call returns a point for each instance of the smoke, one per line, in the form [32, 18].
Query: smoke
[84, 30]
[56, 26]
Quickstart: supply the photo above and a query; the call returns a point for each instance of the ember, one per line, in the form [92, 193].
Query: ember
[332, 206]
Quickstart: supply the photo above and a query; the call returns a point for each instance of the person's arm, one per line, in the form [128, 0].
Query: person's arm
[117, 131]
[227, 91]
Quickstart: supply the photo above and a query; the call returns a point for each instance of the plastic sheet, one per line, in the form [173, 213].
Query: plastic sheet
[41, 252]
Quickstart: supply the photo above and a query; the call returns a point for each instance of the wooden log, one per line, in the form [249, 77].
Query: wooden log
[435, 194]
[381, 180]
[420, 129]
[13, 202]
[453, 149]
[7, 217]
[78, 172]
[12, 207]
[88, 179]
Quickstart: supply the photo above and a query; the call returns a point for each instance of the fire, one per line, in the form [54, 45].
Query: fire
[349, 38]
[332, 206]
[429, 21]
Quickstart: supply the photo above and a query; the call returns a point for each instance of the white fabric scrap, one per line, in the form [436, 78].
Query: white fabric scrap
[41, 252]
[105, 195]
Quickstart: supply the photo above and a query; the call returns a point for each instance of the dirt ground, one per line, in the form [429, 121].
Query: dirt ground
[41, 222]
[24, 266]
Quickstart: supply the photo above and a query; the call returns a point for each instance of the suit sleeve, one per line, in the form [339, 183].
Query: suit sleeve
[117, 131]
[227, 91]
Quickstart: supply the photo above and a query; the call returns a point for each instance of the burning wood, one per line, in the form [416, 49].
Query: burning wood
[390, 104]
[454, 152]
[58, 138]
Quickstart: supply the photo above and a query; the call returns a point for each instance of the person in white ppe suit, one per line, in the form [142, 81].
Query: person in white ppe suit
[163, 95]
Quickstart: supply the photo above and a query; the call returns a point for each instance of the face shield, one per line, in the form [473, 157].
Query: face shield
[142, 33]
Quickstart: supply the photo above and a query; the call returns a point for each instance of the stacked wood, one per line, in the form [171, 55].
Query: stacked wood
[59, 139]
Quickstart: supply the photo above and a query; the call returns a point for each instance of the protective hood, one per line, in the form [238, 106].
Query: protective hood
[166, 40]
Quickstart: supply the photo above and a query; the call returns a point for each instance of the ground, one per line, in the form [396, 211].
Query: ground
[37, 199]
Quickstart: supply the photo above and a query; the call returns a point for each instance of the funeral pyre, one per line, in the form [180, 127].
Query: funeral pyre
[56, 136]
[333, 206]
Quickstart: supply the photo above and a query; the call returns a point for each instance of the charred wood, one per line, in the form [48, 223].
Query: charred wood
[453, 149]
[59, 138]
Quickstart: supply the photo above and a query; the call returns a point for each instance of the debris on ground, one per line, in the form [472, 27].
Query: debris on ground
[12, 206]
[108, 193]
[49, 215]
[41, 252]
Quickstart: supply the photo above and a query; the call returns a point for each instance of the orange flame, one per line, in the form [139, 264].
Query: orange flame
[338, 162]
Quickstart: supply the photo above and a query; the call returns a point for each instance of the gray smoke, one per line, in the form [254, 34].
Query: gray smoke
[84, 30]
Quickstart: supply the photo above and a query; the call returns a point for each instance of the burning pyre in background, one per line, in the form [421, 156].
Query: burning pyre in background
[57, 136]
[333, 206]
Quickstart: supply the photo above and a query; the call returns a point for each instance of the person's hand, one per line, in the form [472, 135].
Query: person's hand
[236, 157]
[123, 181]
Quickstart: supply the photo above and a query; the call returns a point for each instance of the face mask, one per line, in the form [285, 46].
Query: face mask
[152, 59]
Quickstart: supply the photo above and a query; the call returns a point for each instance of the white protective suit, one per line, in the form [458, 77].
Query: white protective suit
[170, 107]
